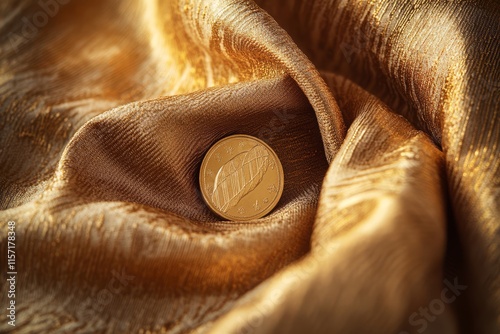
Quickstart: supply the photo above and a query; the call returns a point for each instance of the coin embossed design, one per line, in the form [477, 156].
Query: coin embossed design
[241, 178]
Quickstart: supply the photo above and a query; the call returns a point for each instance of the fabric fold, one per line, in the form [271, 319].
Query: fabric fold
[380, 223]
[125, 201]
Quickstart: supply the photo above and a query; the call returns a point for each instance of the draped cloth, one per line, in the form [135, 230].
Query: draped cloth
[384, 114]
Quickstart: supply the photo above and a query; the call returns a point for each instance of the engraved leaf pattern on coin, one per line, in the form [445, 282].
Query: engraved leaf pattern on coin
[239, 176]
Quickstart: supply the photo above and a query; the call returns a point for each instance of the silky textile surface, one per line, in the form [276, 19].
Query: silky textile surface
[384, 114]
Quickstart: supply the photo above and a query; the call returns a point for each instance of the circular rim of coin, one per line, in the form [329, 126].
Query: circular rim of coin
[272, 204]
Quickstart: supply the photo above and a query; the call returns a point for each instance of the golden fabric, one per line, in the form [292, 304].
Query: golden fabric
[383, 113]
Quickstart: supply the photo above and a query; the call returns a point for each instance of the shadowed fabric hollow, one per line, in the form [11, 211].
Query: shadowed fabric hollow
[384, 115]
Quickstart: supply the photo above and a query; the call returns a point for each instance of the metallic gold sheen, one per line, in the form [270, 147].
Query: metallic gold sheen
[241, 178]
[384, 115]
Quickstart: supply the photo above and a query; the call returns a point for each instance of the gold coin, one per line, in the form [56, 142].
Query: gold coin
[241, 178]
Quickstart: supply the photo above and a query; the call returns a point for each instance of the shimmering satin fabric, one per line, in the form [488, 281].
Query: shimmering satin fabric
[385, 115]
